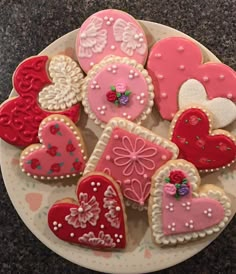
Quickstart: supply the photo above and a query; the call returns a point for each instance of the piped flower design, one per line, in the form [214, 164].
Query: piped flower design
[103, 240]
[87, 212]
[118, 94]
[134, 156]
[176, 184]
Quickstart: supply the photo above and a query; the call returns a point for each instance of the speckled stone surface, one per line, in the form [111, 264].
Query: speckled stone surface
[26, 27]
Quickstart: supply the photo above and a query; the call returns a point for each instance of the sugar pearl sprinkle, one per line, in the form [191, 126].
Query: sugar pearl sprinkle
[56, 225]
[189, 224]
[102, 110]
[95, 85]
[118, 237]
[112, 69]
[170, 207]
[95, 186]
[91, 64]
[158, 55]
[113, 47]
[139, 37]
[187, 205]
[108, 20]
[133, 74]
[171, 227]
[208, 212]
[140, 98]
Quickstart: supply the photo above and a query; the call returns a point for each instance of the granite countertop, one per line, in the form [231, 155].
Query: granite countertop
[27, 27]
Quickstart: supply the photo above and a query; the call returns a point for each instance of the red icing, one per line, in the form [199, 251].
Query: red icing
[192, 135]
[174, 60]
[20, 117]
[99, 219]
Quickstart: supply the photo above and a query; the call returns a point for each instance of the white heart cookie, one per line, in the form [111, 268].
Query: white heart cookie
[223, 110]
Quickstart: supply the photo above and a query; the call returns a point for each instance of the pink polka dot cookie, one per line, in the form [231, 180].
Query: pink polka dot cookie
[96, 220]
[110, 32]
[180, 210]
[173, 61]
[130, 154]
[117, 87]
[60, 154]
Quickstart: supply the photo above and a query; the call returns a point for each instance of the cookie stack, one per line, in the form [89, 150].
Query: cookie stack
[129, 165]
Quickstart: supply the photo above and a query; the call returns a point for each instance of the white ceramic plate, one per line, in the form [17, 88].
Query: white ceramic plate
[32, 199]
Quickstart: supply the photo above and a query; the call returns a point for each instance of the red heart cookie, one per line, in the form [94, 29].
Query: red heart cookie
[179, 210]
[97, 220]
[174, 60]
[20, 117]
[60, 154]
[207, 150]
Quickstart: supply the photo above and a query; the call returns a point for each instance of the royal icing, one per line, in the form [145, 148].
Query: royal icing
[188, 215]
[130, 154]
[117, 87]
[206, 149]
[20, 117]
[110, 32]
[65, 90]
[174, 60]
[97, 220]
[193, 92]
[60, 152]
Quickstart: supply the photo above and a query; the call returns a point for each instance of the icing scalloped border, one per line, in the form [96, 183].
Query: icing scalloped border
[33, 147]
[210, 131]
[122, 60]
[155, 204]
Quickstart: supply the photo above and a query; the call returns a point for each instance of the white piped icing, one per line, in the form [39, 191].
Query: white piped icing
[65, 91]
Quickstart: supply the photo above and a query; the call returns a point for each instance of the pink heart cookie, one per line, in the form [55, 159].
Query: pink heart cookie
[174, 60]
[110, 32]
[179, 210]
[20, 116]
[97, 220]
[60, 152]
[130, 154]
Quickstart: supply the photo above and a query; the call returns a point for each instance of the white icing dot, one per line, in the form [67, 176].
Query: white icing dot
[191, 226]
[205, 78]
[138, 97]
[163, 157]
[171, 204]
[140, 40]
[121, 236]
[172, 115]
[92, 86]
[104, 107]
[98, 183]
[222, 77]
[98, 108]
[55, 228]
[72, 234]
[209, 214]
[169, 226]
[118, 240]
[114, 66]
[93, 184]
[171, 209]
[95, 189]
[167, 207]
[116, 235]
[108, 157]
[80, 209]
[131, 71]
[136, 36]
[97, 86]
[181, 67]
[113, 47]
[160, 76]
[54, 223]
[229, 95]
[186, 224]
[105, 18]
[102, 112]
[129, 117]
[111, 19]
[117, 208]
[116, 136]
[136, 74]
[188, 203]
[124, 114]
[102, 226]
[145, 176]
[108, 23]
[205, 211]
[131, 76]
[191, 221]
[94, 82]
[59, 225]
[109, 69]
[158, 55]
[188, 208]
[140, 34]
[180, 48]
[91, 64]
[142, 94]
[172, 229]
[209, 210]
[114, 71]
[141, 102]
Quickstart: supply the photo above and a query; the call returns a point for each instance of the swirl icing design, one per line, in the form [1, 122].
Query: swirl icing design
[110, 32]
[65, 91]
[97, 220]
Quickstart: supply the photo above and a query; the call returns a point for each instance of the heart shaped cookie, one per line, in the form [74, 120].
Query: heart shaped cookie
[20, 116]
[96, 220]
[60, 153]
[193, 92]
[179, 210]
[208, 150]
[174, 60]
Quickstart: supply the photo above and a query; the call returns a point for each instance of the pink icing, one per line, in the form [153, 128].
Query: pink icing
[101, 84]
[174, 60]
[60, 156]
[132, 161]
[110, 32]
[188, 214]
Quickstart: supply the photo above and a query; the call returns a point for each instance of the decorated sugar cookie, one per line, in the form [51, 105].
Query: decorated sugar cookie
[20, 116]
[193, 92]
[117, 87]
[130, 154]
[173, 61]
[110, 32]
[96, 220]
[179, 210]
[191, 131]
[60, 154]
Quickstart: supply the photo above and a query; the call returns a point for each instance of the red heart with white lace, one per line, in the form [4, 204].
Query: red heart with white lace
[61, 151]
[20, 117]
[179, 211]
[174, 60]
[97, 220]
